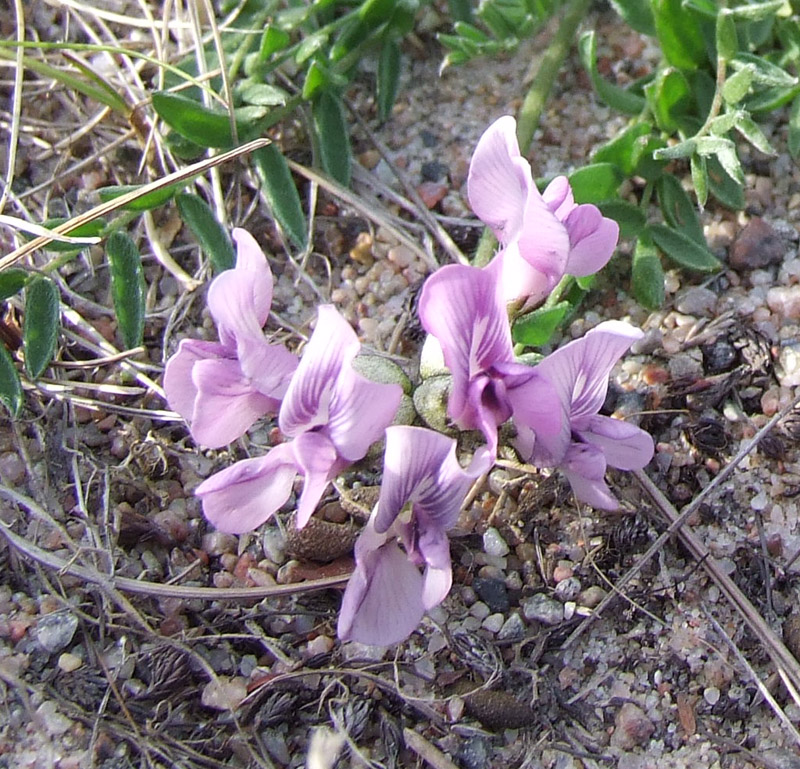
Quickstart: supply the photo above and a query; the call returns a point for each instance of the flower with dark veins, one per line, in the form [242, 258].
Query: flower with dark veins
[422, 492]
[222, 388]
[463, 308]
[331, 414]
[579, 371]
[543, 236]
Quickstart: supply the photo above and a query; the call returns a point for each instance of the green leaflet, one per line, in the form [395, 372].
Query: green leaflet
[40, 324]
[10, 386]
[281, 193]
[536, 328]
[332, 137]
[683, 250]
[678, 209]
[211, 235]
[128, 289]
[647, 274]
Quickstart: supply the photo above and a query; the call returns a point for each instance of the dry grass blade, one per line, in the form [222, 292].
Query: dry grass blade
[183, 174]
[765, 692]
[678, 522]
[427, 752]
[16, 106]
[157, 589]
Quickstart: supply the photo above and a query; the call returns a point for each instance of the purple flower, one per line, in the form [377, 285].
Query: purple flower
[387, 595]
[542, 237]
[580, 372]
[333, 416]
[222, 388]
[463, 307]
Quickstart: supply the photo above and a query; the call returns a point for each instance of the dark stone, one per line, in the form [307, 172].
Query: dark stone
[719, 356]
[493, 593]
[434, 171]
[757, 245]
[428, 139]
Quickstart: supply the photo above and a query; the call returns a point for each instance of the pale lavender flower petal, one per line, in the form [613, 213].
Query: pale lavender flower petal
[327, 393]
[179, 388]
[558, 197]
[464, 309]
[382, 603]
[420, 466]
[580, 369]
[226, 405]
[624, 445]
[251, 260]
[585, 469]
[499, 180]
[318, 462]
[241, 497]
[593, 238]
[437, 579]
[268, 367]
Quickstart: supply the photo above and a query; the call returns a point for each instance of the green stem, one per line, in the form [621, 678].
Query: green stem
[553, 59]
[531, 111]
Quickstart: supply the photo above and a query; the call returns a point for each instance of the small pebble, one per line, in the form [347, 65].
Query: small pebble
[513, 628]
[493, 623]
[757, 245]
[55, 723]
[711, 695]
[479, 610]
[493, 592]
[493, 543]
[224, 693]
[568, 589]
[592, 596]
[633, 727]
[55, 631]
[69, 662]
[543, 609]
[696, 301]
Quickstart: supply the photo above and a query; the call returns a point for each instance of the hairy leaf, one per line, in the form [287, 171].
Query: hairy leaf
[40, 324]
[128, 290]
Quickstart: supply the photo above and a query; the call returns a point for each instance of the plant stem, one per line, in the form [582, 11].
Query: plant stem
[531, 111]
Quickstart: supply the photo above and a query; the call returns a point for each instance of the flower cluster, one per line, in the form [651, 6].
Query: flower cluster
[331, 415]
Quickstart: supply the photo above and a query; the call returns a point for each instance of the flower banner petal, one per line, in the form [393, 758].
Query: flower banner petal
[625, 446]
[241, 497]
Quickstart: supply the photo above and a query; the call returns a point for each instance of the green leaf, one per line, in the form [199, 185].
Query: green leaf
[748, 128]
[725, 189]
[727, 40]
[699, 179]
[758, 11]
[771, 99]
[725, 152]
[10, 386]
[281, 193]
[625, 148]
[684, 149]
[648, 166]
[595, 182]
[764, 72]
[201, 125]
[669, 97]
[647, 274]
[311, 45]
[680, 34]
[388, 78]
[683, 250]
[470, 32]
[537, 327]
[88, 230]
[636, 14]
[146, 202]
[12, 281]
[272, 41]
[193, 121]
[374, 12]
[794, 128]
[678, 209]
[630, 218]
[333, 139]
[737, 86]
[262, 94]
[128, 290]
[211, 235]
[618, 98]
[40, 324]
